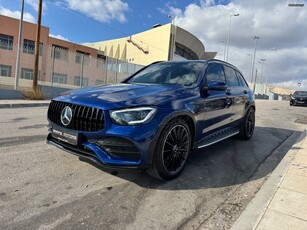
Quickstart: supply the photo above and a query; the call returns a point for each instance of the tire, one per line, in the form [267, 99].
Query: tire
[172, 150]
[248, 125]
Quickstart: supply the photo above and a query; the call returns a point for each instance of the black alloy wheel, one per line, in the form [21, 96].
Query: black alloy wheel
[172, 151]
[248, 125]
[175, 148]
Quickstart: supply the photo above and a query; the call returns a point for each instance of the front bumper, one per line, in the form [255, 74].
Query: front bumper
[114, 146]
[88, 153]
[298, 101]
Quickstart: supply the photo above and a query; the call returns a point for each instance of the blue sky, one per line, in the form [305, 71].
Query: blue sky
[283, 29]
[71, 19]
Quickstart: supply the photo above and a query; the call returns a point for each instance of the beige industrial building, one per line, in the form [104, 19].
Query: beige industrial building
[161, 43]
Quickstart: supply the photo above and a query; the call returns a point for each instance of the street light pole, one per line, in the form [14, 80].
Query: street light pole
[224, 48]
[274, 49]
[256, 38]
[228, 37]
[250, 66]
[261, 79]
[19, 45]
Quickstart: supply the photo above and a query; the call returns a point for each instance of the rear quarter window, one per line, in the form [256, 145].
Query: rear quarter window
[231, 76]
[241, 79]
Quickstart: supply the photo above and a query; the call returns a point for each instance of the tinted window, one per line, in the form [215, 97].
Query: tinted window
[182, 73]
[241, 79]
[215, 73]
[300, 93]
[231, 76]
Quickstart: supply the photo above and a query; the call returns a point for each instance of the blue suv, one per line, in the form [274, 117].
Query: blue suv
[154, 118]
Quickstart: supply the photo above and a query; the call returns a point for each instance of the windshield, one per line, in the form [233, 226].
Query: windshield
[300, 93]
[182, 73]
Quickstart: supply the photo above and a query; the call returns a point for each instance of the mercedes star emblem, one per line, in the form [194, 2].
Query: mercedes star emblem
[66, 115]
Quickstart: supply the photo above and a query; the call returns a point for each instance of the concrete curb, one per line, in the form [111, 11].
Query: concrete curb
[21, 105]
[252, 215]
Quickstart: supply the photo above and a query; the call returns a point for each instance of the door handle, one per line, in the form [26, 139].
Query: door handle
[228, 92]
[245, 91]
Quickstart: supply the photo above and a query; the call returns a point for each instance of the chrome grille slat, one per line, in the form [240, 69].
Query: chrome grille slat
[84, 118]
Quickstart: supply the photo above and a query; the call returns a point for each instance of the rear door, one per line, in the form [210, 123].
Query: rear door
[236, 92]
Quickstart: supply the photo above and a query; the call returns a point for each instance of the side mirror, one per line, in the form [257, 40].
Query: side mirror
[215, 85]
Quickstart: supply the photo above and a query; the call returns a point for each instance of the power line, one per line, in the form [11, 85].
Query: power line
[60, 4]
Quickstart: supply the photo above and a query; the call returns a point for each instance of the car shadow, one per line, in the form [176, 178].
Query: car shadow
[226, 163]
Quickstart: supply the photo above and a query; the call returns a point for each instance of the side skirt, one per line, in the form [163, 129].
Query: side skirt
[216, 137]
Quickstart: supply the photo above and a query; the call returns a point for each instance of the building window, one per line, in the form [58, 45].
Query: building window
[29, 47]
[77, 81]
[79, 56]
[60, 53]
[59, 78]
[5, 70]
[184, 52]
[101, 61]
[27, 73]
[6, 42]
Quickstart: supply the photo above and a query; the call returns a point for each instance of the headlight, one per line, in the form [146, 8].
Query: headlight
[292, 97]
[133, 116]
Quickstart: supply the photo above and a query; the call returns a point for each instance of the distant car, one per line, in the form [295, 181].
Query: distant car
[298, 98]
[155, 117]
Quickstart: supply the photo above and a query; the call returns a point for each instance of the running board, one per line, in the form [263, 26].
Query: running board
[217, 136]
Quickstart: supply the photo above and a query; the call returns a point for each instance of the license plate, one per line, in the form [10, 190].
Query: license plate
[70, 138]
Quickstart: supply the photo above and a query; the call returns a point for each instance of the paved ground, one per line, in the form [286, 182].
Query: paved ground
[281, 201]
[42, 187]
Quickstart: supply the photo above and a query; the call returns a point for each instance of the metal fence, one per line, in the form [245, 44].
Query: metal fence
[63, 69]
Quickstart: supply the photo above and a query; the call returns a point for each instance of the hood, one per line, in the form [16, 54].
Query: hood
[123, 95]
[298, 96]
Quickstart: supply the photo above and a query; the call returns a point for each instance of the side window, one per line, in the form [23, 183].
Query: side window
[231, 76]
[241, 79]
[215, 73]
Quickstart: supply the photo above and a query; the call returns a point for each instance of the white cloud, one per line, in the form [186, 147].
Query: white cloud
[278, 25]
[101, 10]
[16, 14]
[58, 37]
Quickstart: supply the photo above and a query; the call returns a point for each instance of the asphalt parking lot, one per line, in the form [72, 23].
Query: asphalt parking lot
[42, 187]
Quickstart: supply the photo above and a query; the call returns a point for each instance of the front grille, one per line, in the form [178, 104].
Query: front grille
[84, 118]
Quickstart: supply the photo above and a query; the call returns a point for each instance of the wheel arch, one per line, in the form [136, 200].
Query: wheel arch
[186, 116]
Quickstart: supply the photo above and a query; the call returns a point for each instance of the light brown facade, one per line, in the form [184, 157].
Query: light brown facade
[162, 43]
[57, 56]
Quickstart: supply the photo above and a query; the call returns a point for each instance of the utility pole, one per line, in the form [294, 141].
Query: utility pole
[19, 45]
[37, 44]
